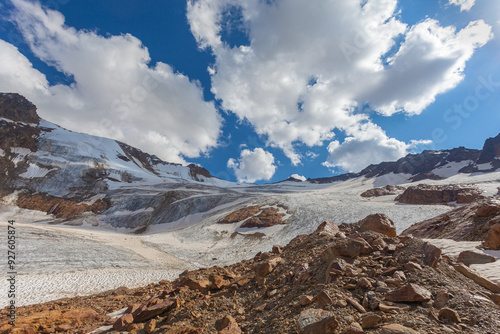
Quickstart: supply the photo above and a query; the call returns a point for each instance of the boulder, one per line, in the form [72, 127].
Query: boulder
[123, 321]
[488, 209]
[328, 228]
[267, 266]
[312, 321]
[472, 257]
[227, 325]
[409, 293]
[492, 240]
[397, 329]
[473, 275]
[379, 223]
[450, 315]
[432, 254]
[435, 194]
[153, 311]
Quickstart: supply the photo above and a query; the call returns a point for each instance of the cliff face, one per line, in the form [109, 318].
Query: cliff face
[17, 108]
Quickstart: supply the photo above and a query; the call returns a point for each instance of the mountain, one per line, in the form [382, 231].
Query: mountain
[68, 174]
[431, 165]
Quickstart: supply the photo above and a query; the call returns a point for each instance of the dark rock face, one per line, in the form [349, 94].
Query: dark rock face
[196, 171]
[432, 194]
[491, 150]
[17, 108]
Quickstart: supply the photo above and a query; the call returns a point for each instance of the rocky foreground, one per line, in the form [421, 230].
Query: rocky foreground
[358, 278]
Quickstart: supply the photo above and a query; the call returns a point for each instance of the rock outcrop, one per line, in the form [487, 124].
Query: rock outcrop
[17, 108]
[302, 287]
[433, 194]
[470, 222]
[382, 191]
[256, 216]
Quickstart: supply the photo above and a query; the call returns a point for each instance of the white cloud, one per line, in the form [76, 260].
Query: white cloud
[298, 177]
[310, 67]
[367, 144]
[116, 92]
[253, 166]
[463, 4]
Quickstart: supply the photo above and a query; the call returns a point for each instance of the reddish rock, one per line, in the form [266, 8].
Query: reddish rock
[153, 311]
[305, 300]
[472, 257]
[473, 275]
[150, 326]
[450, 315]
[218, 282]
[370, 320]
[200, 284]
[324, 299]
[313, 321]
[488, 209]
[492, 240]
[409, 293]
[349, 247]
[379, 223]
[355, 328]
[227, 325]
[383, 191]
[123, 321]
[328, 228]
[432, 254]
[397, 329]
[267, 266]
[435, 194]
[240, 215]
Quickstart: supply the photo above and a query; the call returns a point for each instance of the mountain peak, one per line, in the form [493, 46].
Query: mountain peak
[17, 108]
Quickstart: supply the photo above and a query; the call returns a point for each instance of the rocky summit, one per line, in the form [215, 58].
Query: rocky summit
[340, 279]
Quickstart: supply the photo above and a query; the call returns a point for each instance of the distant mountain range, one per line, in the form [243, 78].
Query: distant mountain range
[73, 175]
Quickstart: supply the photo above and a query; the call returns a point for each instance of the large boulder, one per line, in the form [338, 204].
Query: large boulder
[379, 223]
[492, 240]
[437, 194]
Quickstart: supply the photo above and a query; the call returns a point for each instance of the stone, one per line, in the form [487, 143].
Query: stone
[324, 299]
[227, 325]
[435, 194]
[432, 254]
[488, 209]
[266, 267]
[390, 307]
[355, 328]
[277, 249]
[473, 275]
[492, 240]
[370, 320]
[450, 315]
[305, 300]
[328, 228]
[355, 304]
[349, 248]
[364, 283]
[202, 284]
[123, 321]
[472, 257]
[153, 311]
[379, 223]
[218, 282]
[397, 329]
[150, 326]
[412, 266]
[312, 321]
[409, 293]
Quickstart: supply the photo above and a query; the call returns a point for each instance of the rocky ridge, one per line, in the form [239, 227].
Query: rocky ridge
[434, 194]
[339, 279]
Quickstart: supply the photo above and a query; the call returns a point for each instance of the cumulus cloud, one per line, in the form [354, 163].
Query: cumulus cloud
[311, 68]
[367, 144]
[253, 166]
[116, 92]
[298, 177]
[463, 4]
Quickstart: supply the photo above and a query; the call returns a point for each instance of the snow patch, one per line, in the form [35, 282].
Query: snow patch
[451, 168]
[485, 166]
[34, 171]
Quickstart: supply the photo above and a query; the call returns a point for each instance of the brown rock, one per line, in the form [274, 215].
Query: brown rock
[323, 299]
[472, 257]
[409, 293]
[350, 248]
[484, 282]
[492, 240]
[150, 326]
[355, 304]
[267, 266]
[370, 320]
[412, 266]
[328, 228]
[432, 254]
[379, 223]
[123, 321]
[488, 209]
[202, 284]
[218, 282]
[153, 311]
[449, 314]
[364, 283]
[305, 300]
[355, 328]
[277, 249]
[313, 321]
[17, 108]
[397, 329]
[240, 215]
[227, 325]
[390, 307]
[434, 194]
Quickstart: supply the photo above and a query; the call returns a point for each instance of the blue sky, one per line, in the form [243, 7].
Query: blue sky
[262, 90]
